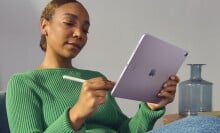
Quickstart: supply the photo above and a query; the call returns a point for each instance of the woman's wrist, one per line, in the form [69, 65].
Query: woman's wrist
[152, 106]
[75, 120]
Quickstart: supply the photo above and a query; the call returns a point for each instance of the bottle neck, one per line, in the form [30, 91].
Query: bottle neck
[196, 70]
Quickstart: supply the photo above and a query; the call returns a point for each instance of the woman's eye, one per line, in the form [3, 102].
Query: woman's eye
[69, 23]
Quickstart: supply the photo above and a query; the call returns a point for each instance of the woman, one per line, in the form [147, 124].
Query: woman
[41, 101]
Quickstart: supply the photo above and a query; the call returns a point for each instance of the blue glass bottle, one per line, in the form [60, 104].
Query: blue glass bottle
[195, 94]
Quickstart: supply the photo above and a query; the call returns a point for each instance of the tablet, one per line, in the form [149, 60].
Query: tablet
[152, 62]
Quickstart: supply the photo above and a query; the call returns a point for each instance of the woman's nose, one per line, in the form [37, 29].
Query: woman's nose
[77, 33]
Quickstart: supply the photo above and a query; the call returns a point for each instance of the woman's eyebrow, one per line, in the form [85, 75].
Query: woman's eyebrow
[70, 15]
[75, 17]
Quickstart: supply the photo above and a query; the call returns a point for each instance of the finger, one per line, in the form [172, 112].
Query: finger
[174, 78]
[101, 100]
[99, 83]
[100, 93]
[167, 95]
[96, 101]
[100, 80]
[102, 85]
[170, 83]
[169, 89]
[97, 79]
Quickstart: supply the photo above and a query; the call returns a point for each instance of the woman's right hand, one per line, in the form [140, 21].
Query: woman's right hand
[92, 95]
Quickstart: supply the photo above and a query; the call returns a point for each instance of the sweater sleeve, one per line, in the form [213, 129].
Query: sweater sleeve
[24, 111]
[142, 121]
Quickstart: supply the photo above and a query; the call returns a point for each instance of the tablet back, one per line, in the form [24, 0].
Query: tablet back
[150, 65]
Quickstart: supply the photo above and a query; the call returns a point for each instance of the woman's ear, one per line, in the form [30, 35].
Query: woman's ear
[43, 26]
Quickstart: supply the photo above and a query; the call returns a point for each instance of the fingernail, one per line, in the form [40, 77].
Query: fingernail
[173, 78]
[165, 85]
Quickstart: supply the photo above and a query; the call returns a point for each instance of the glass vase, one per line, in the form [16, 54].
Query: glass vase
[195, 94]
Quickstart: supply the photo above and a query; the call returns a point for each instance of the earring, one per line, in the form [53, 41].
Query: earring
[45, 33]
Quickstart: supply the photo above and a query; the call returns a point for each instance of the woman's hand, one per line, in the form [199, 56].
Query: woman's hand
[92, 95]
[167, 94]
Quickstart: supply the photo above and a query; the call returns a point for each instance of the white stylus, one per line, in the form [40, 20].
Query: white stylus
[73, 78]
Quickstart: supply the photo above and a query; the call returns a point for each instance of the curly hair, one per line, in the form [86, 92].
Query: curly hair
[47, 14]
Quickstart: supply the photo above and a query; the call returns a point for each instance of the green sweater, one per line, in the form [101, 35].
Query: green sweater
[38, 101]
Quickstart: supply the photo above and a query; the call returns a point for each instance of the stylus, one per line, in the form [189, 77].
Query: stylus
[73, 78]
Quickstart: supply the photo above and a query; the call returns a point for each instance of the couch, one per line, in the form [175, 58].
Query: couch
[4, 128]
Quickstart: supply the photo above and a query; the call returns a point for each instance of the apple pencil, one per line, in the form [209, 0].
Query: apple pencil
[73, 78]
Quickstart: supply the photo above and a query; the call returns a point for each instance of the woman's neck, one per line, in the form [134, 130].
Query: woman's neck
[55, 63]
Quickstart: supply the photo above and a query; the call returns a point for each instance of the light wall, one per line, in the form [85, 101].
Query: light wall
[116, 26]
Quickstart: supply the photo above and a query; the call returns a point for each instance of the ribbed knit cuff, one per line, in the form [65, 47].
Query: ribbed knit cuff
[68, 124]
[144, 119]
[152, 114]
[63, 125]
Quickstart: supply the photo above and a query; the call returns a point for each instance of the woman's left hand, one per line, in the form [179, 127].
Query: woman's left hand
[167, 93]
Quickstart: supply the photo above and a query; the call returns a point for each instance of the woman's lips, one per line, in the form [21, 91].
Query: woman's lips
[74, 45]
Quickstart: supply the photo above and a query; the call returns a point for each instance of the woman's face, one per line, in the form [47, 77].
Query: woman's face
[66, 32]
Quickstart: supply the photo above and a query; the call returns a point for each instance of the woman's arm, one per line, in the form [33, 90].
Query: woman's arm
[142, 121]
[24, 110]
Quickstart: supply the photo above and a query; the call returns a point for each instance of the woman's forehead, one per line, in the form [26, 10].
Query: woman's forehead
[72, 8]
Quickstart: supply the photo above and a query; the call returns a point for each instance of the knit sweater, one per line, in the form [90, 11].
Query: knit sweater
[39, 100]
